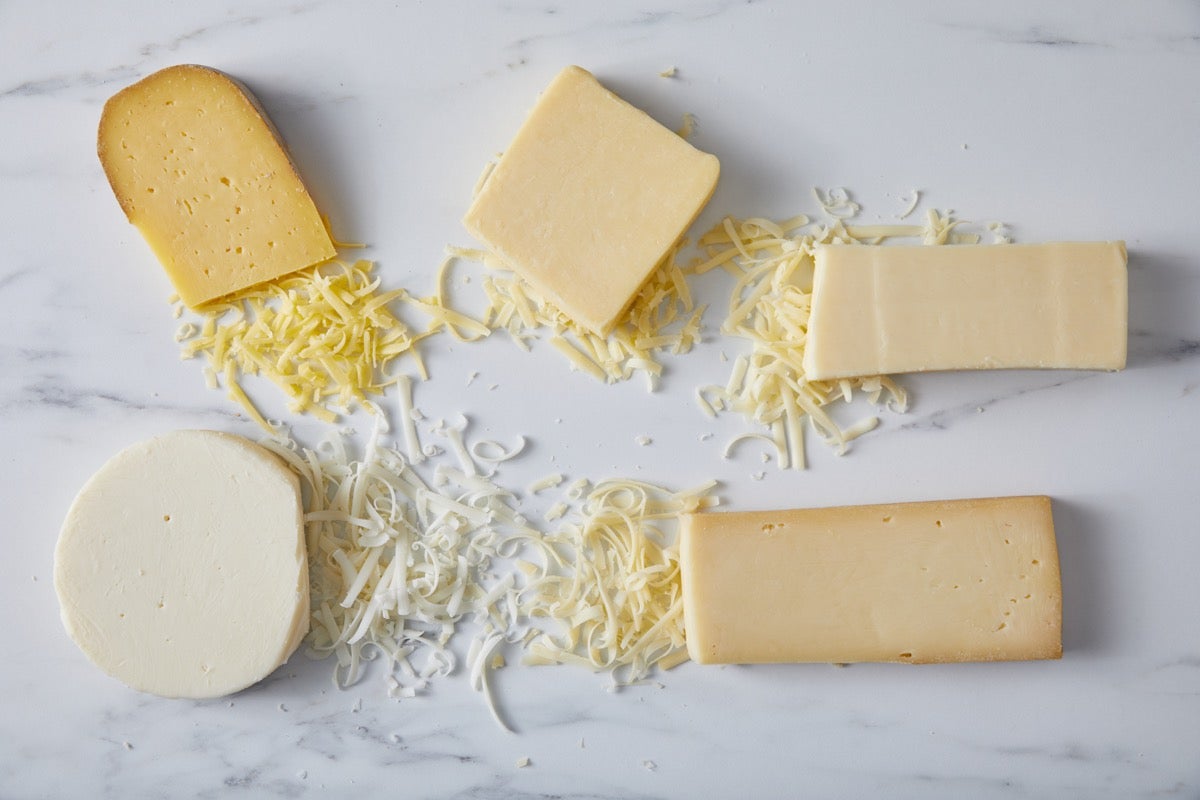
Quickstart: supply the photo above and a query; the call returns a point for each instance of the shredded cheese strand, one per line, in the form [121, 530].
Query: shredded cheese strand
[662, 318]
[611, 581]
[769, 308]
[324, 336]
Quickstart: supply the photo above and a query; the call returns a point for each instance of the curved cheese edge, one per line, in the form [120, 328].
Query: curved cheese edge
[181, 568]
[203, 174]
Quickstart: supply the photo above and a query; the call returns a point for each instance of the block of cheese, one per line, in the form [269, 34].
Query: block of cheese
[589, 197]
[202, 173]
[181, 567]
[965, 580]
[887, 309]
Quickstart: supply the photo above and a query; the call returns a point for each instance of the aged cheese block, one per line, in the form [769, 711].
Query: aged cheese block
[589, 197]
[888, 309]
[198, 168]
[961, 580]
[181, 567]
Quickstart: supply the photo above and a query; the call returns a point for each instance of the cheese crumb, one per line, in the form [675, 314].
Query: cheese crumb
[688, 127]
[398, 560]
[912, 205]
[643, 441]
[669, 72]
[548, 482]
[524, 762]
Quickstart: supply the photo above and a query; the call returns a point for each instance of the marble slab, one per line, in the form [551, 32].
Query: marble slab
[1071, 120]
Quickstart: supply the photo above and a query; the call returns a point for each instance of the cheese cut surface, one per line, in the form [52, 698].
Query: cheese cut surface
[181, 567]
[965, 580]
[201, 172]
[886, 309]
[589, 197]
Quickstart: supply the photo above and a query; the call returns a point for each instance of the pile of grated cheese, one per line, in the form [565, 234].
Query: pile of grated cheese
[401, 558]
[398, 560]
[325, 336]
[769, 307]
[609, 579]
[662, 318]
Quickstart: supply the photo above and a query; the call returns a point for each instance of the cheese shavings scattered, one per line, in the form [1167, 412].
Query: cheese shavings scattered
[769, 308]
[397, 562]
[662, 318]
[609, 579]
[325, 336]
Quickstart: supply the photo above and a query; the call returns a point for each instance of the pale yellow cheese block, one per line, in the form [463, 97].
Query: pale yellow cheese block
[589, 197]
[181, 567]
[961, 580]
[887, 309]
[202, 173]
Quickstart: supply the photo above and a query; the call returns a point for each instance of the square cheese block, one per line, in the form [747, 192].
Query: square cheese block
[887, 309]
[589, 197]
[958, 580]
[202, 173]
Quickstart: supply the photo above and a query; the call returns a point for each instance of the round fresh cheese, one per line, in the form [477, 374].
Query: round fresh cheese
[181, 567]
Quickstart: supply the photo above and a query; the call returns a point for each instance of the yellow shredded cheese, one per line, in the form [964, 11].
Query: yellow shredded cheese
[609, 582]
[663, 318]
[325, 336]
[769, 306]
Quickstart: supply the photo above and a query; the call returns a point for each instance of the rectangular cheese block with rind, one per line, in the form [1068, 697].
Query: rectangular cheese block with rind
[199, 169]
[941, 581]
[589, 197]
[912, 308]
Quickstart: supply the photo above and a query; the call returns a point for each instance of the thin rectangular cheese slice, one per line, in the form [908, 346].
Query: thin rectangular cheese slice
[589, 197]
[202, 173]
[888, 309]
[957, 580]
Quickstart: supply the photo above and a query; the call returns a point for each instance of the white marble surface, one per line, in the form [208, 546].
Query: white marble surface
[1068, 121]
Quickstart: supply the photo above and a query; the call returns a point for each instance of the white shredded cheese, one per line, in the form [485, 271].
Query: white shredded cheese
[548, 482]
[398, 561]
[836, 202]
[911, 206]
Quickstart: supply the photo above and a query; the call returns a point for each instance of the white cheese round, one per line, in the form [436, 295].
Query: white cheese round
[181, 567]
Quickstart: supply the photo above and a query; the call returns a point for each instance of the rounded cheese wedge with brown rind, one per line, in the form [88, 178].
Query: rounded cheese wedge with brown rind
[181, 567]
[199, 169]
